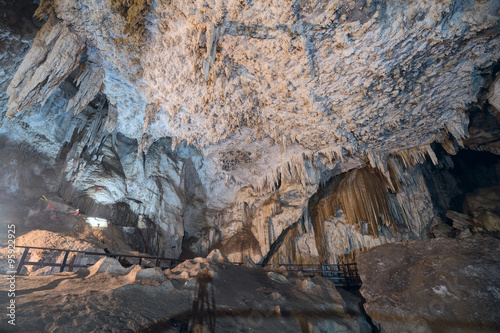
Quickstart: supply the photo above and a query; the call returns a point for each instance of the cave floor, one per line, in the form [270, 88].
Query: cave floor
[221, 298]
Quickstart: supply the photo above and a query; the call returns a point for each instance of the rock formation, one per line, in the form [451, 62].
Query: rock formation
[200, 295]
[262, 133]
[277, 132]
[433, 285]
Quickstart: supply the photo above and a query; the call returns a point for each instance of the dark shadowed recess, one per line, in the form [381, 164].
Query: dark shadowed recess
[471, 170]
[15, 12]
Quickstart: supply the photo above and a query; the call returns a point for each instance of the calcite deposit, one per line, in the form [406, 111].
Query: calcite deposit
[264, 133]
[275, 131]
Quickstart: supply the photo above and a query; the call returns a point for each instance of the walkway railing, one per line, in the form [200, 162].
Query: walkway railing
[158, 261]
[341, 274]
[345, 275]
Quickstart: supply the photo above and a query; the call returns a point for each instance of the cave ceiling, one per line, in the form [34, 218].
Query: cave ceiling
[256, 84]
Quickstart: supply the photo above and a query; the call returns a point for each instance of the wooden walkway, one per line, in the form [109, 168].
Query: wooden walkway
[343, 275]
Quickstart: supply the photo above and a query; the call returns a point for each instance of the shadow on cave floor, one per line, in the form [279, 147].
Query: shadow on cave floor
[255, 320]
[53, 284]
[253, 313]
[203, 310]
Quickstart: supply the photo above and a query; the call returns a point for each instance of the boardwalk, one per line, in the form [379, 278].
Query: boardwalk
[344, 275]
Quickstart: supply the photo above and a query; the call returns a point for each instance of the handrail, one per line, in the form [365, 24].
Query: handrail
[342, 274]
[63, 265]
[100, 253]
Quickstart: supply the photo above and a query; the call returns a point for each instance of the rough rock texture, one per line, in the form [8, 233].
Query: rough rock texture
[445, 285]
[494, 98]
[484, 205]
[319, 67]
[52, 57]
[339, 77]
[215, 123]
[215, 298]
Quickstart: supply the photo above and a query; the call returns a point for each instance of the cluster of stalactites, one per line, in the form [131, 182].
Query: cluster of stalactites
[300, 168]
[89, 79]
[392, 165]
[54, 54]
[362, 195]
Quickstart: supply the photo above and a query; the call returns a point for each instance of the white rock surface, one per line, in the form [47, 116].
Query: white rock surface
[109, 265]
[218, 121]
[151, 274]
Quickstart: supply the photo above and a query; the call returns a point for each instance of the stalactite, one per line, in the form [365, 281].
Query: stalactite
[378, 160]
[55, 53]
[392, 168]
[395, 172]
[112, 118]
[151, 110]
[449, 146]
[89, 80]
[458, 127]
[363, 197]
[426, 149]
[298, 168]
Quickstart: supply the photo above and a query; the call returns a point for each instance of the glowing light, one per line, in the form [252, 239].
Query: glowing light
[97, 223]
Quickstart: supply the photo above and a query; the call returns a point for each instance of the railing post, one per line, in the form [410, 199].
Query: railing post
[21, 262]
[347, 275]
[63, 265]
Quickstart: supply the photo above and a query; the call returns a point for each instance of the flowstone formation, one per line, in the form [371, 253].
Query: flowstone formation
[290, 132]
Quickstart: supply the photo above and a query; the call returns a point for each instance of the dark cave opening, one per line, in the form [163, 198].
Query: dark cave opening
[475, 169]
[17, 10]
[469, 170]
